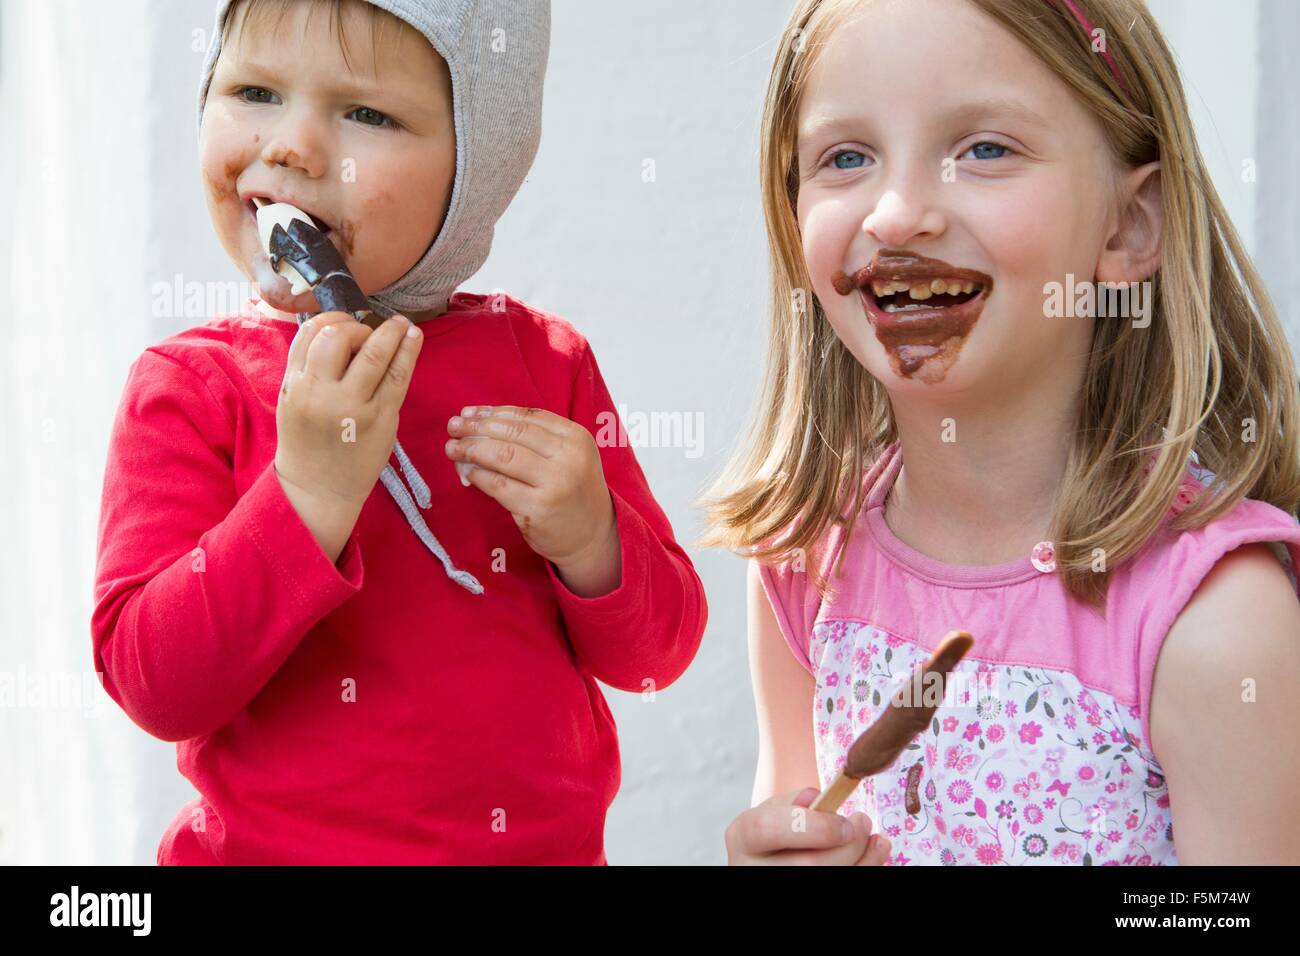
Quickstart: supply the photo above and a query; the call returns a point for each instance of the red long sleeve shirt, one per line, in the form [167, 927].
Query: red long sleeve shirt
[370, 710]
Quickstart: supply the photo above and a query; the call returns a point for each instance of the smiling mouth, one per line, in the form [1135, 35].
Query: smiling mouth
[922, 309]
[901, 283]
[906, 294]
[893, 296]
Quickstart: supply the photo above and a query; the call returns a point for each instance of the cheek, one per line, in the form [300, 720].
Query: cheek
[394, 214]
[221, 161]
[432, 185]
[826, 232]
[827, 229]
[1031, 234]
[412, 213]
[1037, 236]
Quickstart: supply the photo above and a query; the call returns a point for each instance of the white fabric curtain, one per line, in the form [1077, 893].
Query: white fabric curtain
[79, 783]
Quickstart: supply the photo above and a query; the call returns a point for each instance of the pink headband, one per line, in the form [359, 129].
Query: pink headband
[1087, 26]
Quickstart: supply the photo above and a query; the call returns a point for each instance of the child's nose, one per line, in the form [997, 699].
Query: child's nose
[902, 216]
[294, 144]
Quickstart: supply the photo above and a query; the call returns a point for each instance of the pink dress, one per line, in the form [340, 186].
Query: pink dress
[1040, 751]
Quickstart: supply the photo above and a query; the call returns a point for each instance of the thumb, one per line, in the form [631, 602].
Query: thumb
[800, 798]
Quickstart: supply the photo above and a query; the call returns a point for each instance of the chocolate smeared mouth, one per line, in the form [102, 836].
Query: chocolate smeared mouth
[901, 290]
[917, 296]
[903, 281]
[922, 309]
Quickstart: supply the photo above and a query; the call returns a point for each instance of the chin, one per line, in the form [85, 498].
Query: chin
[273, 289]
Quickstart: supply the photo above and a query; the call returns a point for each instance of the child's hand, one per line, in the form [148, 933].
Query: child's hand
[545, 470]
[781, 831]
[336, 417]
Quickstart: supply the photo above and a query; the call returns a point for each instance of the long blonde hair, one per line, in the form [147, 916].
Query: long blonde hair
[1213, 361]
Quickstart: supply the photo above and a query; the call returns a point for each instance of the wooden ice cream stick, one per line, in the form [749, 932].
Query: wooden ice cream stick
[907, 715]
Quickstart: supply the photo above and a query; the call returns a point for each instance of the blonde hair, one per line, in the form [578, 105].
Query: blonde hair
[243, 11]
[1213, 358]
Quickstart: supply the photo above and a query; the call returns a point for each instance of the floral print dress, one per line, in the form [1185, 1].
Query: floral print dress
[1026, 765]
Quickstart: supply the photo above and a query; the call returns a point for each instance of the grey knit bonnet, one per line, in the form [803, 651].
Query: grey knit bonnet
[496, 52]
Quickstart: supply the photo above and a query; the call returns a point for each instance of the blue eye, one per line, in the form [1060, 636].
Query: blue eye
[1006, 149]
[854, 158]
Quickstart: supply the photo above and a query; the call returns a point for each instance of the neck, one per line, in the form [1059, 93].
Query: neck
[985, 495]
[372, 320]
[426, 315]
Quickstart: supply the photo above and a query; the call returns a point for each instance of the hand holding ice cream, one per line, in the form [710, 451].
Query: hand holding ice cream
[785, 831]
[340, 371]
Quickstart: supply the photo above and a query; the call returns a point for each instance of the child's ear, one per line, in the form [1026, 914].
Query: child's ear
[1132, 249]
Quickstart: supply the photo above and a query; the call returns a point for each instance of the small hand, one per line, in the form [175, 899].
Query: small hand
[784, 831]
[546, 471]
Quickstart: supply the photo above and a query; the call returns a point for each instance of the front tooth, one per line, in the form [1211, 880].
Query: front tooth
[921, 292]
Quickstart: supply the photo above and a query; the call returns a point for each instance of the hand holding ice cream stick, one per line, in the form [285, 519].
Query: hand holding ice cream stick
[907, 715]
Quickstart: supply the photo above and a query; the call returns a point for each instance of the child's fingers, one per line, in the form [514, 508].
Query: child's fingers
[384, 368]
[504, 457]
[540, 417]
[297, 359]
[798, 828]
[522, 431]
[857, 849]
[298, 347]
[332, 348]
[512, 495]
[877, 852]
[847, 853]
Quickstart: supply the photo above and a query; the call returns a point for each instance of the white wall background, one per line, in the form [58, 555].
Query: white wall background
[99, 191]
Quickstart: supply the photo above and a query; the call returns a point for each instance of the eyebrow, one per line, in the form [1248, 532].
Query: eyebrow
[989, 108]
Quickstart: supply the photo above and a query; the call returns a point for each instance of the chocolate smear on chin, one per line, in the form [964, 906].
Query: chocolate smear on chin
[927, 348]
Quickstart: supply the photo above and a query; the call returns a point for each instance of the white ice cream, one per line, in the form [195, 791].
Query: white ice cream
[269, 215]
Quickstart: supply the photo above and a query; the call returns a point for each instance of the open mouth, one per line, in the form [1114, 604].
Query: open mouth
[905, 293]
[892, 296]
[922, 309]
[254, 202]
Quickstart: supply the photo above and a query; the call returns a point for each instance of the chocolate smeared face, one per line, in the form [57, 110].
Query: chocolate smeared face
[921, 308]
[985, 159]
[364, 144]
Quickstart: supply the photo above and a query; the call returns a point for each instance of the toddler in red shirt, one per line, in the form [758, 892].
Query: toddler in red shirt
[343, 684]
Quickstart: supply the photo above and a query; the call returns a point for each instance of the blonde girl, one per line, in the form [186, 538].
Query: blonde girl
[1022, 380]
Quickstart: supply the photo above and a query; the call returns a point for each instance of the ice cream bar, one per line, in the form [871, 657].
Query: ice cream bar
[907, 715]
[302, 255]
